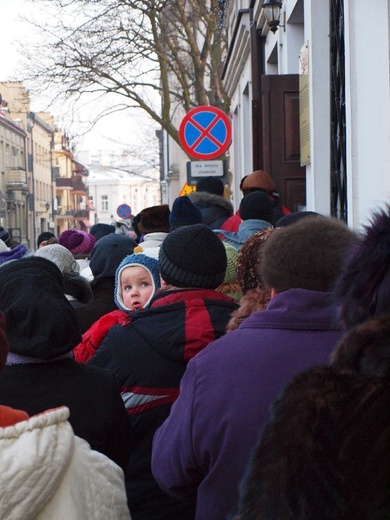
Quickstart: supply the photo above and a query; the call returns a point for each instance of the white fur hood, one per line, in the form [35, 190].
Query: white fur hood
[47, 472]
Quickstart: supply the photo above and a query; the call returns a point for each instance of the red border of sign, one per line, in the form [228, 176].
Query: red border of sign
[222, 146]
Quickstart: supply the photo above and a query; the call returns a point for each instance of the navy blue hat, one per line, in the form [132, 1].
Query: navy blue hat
[210, 184]
[101, 230]
[108, 252]
[184, 213]
[256, 205]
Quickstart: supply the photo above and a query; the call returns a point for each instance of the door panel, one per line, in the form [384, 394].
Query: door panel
[281, 144]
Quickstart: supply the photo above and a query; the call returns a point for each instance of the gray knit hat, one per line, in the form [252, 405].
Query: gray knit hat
[59, 255]
[193, 256]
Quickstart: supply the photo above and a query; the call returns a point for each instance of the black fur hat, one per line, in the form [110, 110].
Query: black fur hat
[363, 288]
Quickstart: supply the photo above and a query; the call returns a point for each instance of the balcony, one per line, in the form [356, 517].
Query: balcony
[64, 183]
[69, 213]
[74, 183]
[16, 180]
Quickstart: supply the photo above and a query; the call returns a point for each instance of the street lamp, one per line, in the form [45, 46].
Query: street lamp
[272, 9]
[47, 206]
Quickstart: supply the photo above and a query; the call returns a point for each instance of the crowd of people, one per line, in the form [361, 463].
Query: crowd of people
[206, 365]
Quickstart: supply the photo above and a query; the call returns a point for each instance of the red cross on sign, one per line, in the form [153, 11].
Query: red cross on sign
[205, 132]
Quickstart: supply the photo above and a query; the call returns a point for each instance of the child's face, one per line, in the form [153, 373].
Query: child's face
[136, 287]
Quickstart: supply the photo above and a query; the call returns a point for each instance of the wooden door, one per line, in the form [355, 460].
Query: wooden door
[281, 146]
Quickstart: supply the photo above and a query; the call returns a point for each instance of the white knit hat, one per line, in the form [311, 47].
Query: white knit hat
[60, 256]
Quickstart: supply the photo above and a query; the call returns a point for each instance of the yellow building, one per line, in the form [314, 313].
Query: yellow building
[71, 202]
[43, 187]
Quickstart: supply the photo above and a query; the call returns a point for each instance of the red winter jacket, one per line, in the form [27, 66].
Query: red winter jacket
[94, 336]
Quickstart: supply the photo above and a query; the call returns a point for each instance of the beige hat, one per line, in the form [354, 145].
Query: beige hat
[258, 179]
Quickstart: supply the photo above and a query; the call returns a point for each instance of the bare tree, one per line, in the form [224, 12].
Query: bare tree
[156, 55]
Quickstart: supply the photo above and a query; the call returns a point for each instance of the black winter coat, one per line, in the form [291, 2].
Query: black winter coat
[42, 331]
[102, 303]
[149, 356]
[92, 395]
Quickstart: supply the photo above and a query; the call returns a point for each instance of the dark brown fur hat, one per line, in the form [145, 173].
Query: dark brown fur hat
[154, 219]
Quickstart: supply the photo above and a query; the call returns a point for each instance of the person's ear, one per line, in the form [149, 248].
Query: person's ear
[163, 283]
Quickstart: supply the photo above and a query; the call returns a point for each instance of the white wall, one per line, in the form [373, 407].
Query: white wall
[316, 20]
[367, 108]
[125, 189]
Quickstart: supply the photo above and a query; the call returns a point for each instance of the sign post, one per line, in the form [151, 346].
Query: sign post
[205, 134]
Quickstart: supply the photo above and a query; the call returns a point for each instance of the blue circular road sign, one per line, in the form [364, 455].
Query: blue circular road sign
[205, 132]
[124, 211]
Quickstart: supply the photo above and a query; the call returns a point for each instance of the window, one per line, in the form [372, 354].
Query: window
[104, 203]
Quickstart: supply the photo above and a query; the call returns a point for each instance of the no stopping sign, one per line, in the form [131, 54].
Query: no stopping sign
[205, 132]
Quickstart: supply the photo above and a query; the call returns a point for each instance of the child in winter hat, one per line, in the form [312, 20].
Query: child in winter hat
[136, 280]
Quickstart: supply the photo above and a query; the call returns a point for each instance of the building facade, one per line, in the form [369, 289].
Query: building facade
[42, 187]
[13, 176]
[112, 183]
[310, 104]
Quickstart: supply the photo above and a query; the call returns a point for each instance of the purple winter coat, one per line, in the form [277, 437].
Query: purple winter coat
[202, 450]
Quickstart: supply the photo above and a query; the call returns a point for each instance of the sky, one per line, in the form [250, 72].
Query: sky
[116, 132]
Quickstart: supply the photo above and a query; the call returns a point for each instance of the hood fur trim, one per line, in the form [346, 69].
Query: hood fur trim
[357, 287]
[199, 197]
